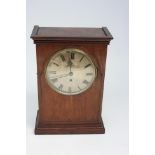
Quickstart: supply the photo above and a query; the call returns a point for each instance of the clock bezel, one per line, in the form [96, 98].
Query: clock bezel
[57, 53]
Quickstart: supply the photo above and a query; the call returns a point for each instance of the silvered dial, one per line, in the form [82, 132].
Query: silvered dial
[70, 72]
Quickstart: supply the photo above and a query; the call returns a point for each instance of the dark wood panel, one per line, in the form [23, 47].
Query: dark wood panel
[85, 107]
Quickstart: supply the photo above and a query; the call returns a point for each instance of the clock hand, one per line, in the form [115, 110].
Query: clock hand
[60, 76]
[69, 62]
[70, 66]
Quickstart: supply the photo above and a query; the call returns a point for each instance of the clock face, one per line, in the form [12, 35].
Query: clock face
[70, 71]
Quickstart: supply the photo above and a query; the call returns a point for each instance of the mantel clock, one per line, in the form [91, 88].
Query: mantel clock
[70, 71]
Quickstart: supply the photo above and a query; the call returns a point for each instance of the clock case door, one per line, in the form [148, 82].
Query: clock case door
[65, 114]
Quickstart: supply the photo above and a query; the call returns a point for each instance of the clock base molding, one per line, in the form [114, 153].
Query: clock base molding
[59, 128]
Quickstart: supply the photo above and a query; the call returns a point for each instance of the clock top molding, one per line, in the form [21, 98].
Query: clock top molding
[50, 34]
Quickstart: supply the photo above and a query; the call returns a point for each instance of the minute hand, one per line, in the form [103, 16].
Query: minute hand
[60, 76]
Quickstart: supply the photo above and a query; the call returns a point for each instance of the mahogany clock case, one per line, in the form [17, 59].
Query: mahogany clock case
[70, 114]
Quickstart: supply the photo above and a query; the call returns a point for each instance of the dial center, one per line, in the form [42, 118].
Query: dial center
[71, 73]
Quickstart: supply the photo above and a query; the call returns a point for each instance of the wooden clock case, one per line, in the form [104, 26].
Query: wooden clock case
[75, 114]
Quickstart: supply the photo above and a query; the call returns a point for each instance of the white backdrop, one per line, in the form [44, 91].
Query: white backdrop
[84, 13]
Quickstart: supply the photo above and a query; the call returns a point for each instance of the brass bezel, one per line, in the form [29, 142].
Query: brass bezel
[62, 51]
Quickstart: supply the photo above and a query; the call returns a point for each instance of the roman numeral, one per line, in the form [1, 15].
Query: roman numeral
[54, 80]
[81, 58]
[62, 57]
[86, 82]
[60, 87]
[52, 72]
[72, 55]
[89, 74]
[79, 88]
[55, 64]
[87, 65]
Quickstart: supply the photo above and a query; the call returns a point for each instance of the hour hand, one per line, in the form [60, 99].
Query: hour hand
[69, 60]
[69, 63]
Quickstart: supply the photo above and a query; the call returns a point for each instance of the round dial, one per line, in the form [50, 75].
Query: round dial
[70, 71]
